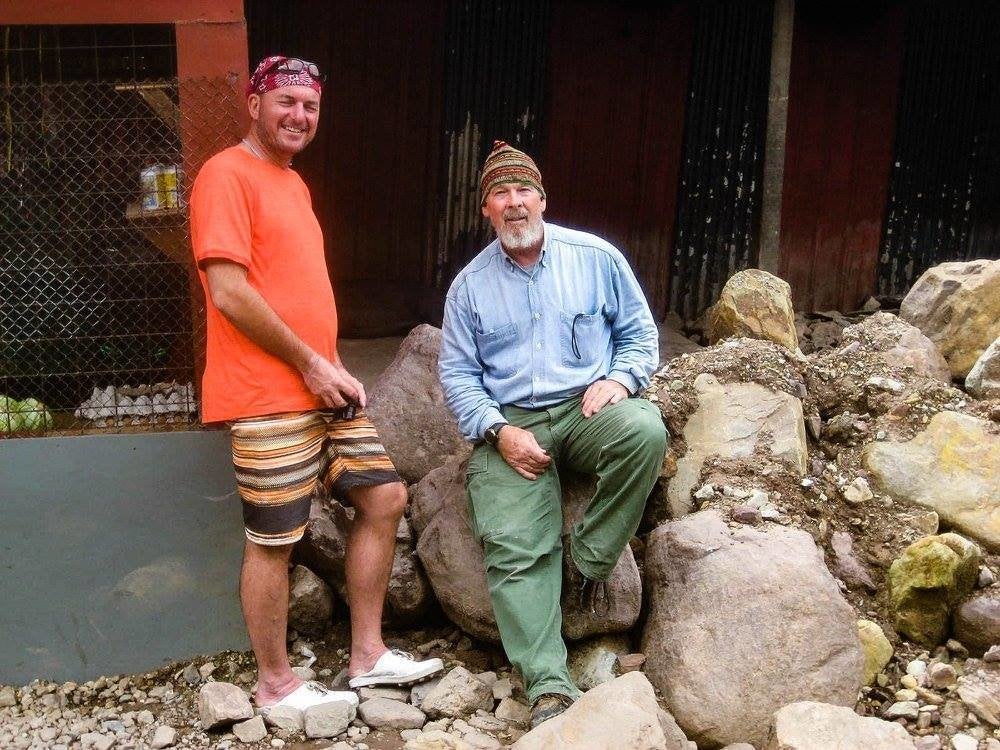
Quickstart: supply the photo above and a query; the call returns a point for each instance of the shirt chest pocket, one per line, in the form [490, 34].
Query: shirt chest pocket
[581, 338]
[498, 350]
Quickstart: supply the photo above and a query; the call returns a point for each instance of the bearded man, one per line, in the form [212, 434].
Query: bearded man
[272, 373]
[547, 337]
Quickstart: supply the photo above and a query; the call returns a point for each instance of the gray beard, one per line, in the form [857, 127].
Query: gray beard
[524, 239]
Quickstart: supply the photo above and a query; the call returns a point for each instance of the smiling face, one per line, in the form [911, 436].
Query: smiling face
[285, 119]
[515, 210]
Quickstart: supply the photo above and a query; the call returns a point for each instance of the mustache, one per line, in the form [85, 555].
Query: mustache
[514, 215]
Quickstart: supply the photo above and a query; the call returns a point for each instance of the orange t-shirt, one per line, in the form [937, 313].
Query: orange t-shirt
[253, 212]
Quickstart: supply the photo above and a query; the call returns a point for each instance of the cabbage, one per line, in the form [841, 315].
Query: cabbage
[10, 417]
[34, 416]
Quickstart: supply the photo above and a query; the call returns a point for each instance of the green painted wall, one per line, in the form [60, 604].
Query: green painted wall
[117, 553]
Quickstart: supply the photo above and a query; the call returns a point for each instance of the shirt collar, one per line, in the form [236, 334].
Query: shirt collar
[546, 240]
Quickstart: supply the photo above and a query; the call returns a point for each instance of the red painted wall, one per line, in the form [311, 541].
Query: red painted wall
[843, 96]
[617, 83]
[47, 12]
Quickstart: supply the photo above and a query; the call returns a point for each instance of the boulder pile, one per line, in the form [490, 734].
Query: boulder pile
[816, 567]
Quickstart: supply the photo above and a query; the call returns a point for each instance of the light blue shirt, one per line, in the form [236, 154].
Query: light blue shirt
[535, 337]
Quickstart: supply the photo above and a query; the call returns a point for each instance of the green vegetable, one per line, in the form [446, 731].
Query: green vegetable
[34, 416]
[10, 418]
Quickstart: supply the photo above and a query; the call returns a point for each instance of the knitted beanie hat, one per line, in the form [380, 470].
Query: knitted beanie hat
[506, 164]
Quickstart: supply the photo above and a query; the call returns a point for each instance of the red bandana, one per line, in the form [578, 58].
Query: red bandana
[267, 77]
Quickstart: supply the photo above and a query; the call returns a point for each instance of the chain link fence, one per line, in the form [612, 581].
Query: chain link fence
[101, 312]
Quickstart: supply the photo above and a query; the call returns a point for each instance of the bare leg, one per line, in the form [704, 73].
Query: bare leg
[264, 595]
[370, 548]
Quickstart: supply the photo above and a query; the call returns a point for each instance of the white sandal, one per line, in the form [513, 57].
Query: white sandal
[396, 667]
[310, 694]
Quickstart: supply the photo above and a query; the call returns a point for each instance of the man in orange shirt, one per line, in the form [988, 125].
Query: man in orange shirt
[272, 371]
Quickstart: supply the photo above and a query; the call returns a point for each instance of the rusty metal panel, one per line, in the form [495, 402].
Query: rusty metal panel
[614, 127]
[496, 52]
[944, 197]
[373, 168]
[842, 107]
[39, 12]
[720, 189]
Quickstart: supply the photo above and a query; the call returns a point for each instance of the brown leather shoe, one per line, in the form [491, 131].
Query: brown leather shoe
[547, 706]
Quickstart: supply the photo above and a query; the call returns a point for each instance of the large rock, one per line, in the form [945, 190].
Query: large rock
[952, 467]
[310, 602]
[286, 718]
[385, 713]
[221, 704]
[458, 694]
[408, 408]
[899, 344]
[741, 622]
[976, 621]
[673, 343]
[592, 662]
[983, 380]
[980, 690]
[454, 563]
[731, 421]
[817, 726]
[615, 715]
[328, 719]
[957, 305]
[757, 305]
[876, 647]
[323, 550]
[926, 582]
[437, 739]
[846, 566]
[163, 736]
[250, 731]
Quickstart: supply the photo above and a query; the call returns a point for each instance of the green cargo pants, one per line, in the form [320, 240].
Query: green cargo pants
[519, 521]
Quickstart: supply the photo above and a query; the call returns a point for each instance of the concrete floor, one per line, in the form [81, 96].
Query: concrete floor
[365, 359]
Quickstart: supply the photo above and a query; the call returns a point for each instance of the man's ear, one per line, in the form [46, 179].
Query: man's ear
[253, 105]
[486, 213]
[542, 206]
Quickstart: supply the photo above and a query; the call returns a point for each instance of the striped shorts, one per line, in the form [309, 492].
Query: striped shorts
[282, 461]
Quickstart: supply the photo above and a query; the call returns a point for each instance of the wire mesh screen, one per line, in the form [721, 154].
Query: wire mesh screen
[100, 310]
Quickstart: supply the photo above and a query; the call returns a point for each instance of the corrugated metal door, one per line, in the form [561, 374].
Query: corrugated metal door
[720, 190]
[944, 198]
[842, 104]
[495, 64]
[614, 127]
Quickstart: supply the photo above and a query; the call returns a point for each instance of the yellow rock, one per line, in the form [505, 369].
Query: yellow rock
[754, 304]
[952, 467]
[876, 647]
[926, 581]
[957, 306]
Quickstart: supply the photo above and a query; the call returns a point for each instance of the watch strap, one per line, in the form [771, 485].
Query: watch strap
[492, 433]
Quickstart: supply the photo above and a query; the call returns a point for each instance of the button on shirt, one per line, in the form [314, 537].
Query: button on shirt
[535, 337]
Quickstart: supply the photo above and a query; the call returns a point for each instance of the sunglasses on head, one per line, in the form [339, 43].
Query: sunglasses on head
[294, 65]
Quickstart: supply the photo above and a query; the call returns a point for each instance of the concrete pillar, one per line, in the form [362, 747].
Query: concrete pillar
[769, 256]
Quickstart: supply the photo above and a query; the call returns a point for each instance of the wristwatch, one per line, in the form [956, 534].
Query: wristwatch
[492, 433]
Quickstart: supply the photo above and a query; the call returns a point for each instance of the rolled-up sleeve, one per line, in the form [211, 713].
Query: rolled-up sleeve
[633, 333]
[461, 371]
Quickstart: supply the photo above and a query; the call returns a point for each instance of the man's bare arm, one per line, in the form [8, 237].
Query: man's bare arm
[245, 308]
